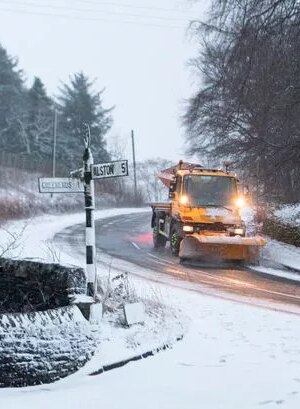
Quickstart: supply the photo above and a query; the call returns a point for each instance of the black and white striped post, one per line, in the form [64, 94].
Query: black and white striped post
[89, 198]
[85, 183]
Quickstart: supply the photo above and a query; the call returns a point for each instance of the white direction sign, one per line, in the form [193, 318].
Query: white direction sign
[60, 185]
[110, 170]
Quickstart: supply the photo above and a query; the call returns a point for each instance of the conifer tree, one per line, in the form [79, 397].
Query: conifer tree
[81, 105]
[13, 136]
[40, 120]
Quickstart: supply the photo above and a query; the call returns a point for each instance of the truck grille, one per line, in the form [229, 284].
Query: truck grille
[212, 227]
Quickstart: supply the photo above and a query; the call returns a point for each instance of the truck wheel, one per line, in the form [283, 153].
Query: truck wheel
[159, 241]
[175, 241]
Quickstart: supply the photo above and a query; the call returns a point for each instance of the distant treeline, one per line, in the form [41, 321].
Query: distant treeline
[28, 116]
[247, 107]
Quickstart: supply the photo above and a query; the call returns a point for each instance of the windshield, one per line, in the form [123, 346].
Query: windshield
[210, 190]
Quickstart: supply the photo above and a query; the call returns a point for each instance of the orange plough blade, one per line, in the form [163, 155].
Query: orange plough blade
[199, 246]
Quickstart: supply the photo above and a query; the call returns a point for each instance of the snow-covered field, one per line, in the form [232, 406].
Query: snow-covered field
[233, 355]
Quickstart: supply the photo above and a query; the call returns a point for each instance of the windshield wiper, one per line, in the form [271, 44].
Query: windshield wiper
[223, 207]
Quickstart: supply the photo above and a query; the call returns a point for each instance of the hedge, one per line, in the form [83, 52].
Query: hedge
[284, 232]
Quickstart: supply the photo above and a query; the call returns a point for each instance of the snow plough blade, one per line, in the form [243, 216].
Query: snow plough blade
[199, 246]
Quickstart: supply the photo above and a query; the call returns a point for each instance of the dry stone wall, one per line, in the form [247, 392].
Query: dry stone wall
[42, 336]
[43, 347]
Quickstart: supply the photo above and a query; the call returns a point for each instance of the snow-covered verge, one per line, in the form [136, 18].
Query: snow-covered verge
[50, 348]
[275, 252]
[284, 254]
[162, 328]
[232, 356]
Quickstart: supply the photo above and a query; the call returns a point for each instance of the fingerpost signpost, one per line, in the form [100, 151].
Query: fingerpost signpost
[82, 181]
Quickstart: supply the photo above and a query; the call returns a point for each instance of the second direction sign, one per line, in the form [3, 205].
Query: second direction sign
[60, 185]
[110, 170]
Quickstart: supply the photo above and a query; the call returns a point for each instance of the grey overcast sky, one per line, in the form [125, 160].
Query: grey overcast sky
[137, 50]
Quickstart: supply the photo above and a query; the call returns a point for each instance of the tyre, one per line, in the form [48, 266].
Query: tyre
[175, 240]
[159, 241]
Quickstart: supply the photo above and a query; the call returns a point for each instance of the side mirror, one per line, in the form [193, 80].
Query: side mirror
[172, 189]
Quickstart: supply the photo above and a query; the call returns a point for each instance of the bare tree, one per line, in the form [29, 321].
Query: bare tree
[149, 183]
[12, 241]
[247, 107]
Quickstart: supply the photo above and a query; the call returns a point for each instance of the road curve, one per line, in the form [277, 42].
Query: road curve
[129, 237]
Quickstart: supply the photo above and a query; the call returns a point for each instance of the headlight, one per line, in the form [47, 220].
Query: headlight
[239, 231]
[184, 200]
[240, 202]
[188, 229]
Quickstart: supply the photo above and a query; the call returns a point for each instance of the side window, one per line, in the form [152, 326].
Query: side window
[186, 180]
[178, 184]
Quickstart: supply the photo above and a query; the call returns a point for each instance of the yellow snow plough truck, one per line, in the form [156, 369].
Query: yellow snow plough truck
[202, 219]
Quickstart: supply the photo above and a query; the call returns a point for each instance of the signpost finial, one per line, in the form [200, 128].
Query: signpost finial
[87, 137]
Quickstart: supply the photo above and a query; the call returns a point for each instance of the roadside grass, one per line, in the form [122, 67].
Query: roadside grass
[115, 290]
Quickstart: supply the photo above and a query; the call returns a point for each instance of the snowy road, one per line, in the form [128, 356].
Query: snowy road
[129, 238]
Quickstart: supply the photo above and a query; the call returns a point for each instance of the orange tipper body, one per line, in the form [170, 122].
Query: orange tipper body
[202, 218]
